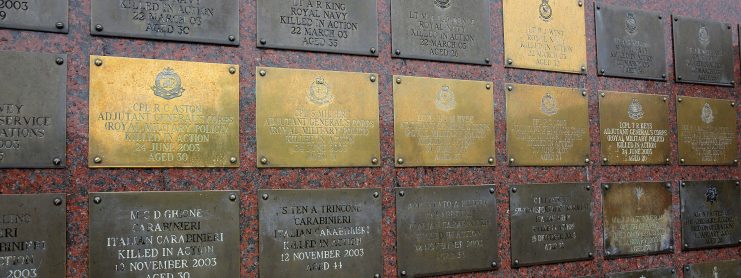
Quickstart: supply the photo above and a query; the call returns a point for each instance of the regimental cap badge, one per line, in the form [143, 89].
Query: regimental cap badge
[548, 105]
[319, 92]
[711, 194]
[546, 12]
[445, 100]
[443, 3]
[167, 85]
[635, 110]
[638, 191]
[707, 114]
[703, 36]
[631, 23]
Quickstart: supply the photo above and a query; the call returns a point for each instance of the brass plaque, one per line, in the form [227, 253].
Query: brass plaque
[164, 234]
[33, 235]
[443, 122]
[703, 51]
[320, 233]
[706, 131]
[39, 15]
[710, 214]
[158, 113]
[449, 31]
[547, 126]
[545, 35]
[724, 269]
[550, 223]
[630, 43]
[637, 219]
[312, 118]
[33, 110]
[667, 272]
[446, 230]
[634, 129]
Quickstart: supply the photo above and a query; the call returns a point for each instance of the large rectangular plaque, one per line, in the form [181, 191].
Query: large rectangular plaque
[637, 219]
[170, 234]
[449, 31]
[33, 110]
[547, 126]
[706, 131]
[710, 214]
[634, 129]
[314, 118]
[630, 43]
[545, 35]
[667, 272]
[703, 51]
[39, 15]
[320, 233]
[339, 26]
[724, 269]
[445, 230]
[33, 235]
[159, 113]
[443, 122]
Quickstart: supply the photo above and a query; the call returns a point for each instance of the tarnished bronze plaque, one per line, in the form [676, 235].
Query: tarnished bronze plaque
[630, 43]
[637, 219]
[545, 35]
[443, 122]
[33, 110]
[164, 234]
[648, 273]
[158, 113]
[703, 51]
[445, 230]
[312, 118]
[33, 235]
[711, 212]
[706, 131]
[214, 21]
[39, 15]
[634, 129]
[340, 26]
[725, 269]
[442, 30]
[547, 126]
[320, 233]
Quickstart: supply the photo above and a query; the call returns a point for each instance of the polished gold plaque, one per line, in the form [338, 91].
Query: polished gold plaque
[158, 113]
[443, 122]
[706, 131]
[634, 128]
[312, 118]
[545, 35]
[547, 126]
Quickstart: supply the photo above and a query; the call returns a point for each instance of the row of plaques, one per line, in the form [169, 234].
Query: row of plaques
[338, 232]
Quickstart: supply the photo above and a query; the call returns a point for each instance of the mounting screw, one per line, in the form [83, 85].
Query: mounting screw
[97, 159]
[733, 82]
[686, 268]
[97, 200]
[372, 78]
[683, 184]
[583, 93]
[581, 3]
[598, 7]
[665, 99]
[661, 17]
[510, 88]
[602, 71]
[669, 185]
[263, 72]
[686, 246]
[588, 187]
[263, 41]
[492, 190]
[738, 183]
[232, 70]
[586, 160]
[265, 196]
[232, 197]
[663, 76]
[494, 264]
[602, 94]
[606, 187]
[60, 25]
[514, 189]
[681, 160]
[376, 275]
[488, 86]
[400, 160]
[373, 50]
[263, 160]
[403, 273]
[583, 68]
[509, 61]
[607, 253]
[98, 27]
[604, 160]
[511, 160]
[487, 60]
[590, 254]
[679, 77]
[57, 201]
[374, 161]
[59, 61]
[397, 52]
[733, 104]
[233, 160]
[679, 99]
[491, 160]
[376, 194]
[676, 19]
[735, 161]
[398, 80]
[668, 161]
[56, 161]
[516, 262]
[231, 38]
[674, 270]
[401, 193]
[98, 62]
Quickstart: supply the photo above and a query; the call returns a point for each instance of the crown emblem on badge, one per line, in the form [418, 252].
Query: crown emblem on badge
[631, 23]
[443, 3]
[707, 114]
[635, 110]
[703, 36]
[548, 105]
[319, 92]
[711, 194]
[445, 100]
[167, 85]
[546, 12]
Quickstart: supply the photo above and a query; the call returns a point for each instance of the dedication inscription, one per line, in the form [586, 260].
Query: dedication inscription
[706, 131]
[703, 51]
[710, 214]
[38, 15]
[648, 273]
[724, 269]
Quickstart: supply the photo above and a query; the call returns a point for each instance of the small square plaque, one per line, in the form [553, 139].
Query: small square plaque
[711, 214]
[706, 131]
[725, 269]
[703, 51]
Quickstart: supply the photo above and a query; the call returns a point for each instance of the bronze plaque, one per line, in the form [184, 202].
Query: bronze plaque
[667, 272]
[39, 15]
[724, 269]
[545, 35]
[33, 110]
[703, 51]
[630, 43]
[637, 219]
[634, 129]
[547, 126]
[449, 31]
[446, 230]
[710, 214]
[159, 113]
[33, 235]
[339, 26]
[313, 118]
[164, 234]
[443, 122]
[320, 233]
[706, 131]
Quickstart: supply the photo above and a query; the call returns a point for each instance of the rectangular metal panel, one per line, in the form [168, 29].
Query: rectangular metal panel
[445, 230]
[159, 113]
[648, 273]
[711, 214]
[706, 131]
[38, 15]
[547, 126]
[442, 30]
[725, 269]
[443, 122]
[171, 234]
[339, 26]
[314, 118]
[703, 51]
[320, 233]
[33, 110]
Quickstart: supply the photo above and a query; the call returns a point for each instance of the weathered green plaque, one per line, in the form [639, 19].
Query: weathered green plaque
[706, 131]
[648, 273]
[724, 269]
[711, 214]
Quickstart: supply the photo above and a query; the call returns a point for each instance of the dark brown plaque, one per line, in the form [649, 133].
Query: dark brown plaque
[703, 51]
[725, 269]
[630, 43]
[443, 230]
[637, 219]
[710, 214]
[550, 223]
[33, 110]
[33, 235]
[38, 15]
[320, 233]
[170, 234]
[648, 273]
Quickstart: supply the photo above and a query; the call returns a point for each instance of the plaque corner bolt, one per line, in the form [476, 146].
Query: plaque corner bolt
[401, 193]
[232, 197]
[686, 268]
[491, 160]
[57, 161]
[516, 263]
[606, 187]
[97, 160]
[57, 201]
[584, 93]
[583, 68]
[663, 76]
[98, 62]
[97, 199]
[403, 273]
[669, 185]
[233, 160]
[263, 41]
[664, 99]
[264, 160]
[602, 71]
[232, 70]
[398, 80]
[510, 88]
[372, 78]
[602, 94]
[98, 27]
[376, 275]
[374, 161]
[487, 61]
[488, 86]
[679, 99]
[265, 196]
[580, 3]
[492, 190]
[604, 160]
[400, 161]
[683, 184]
[397, 52]
[263, 73]
[586, 160]
[231, 38]
[674, 270]
[59, 61]
[376, 194]
[373, 50]
[590, 254]
[588, 187]
[733, 104]
[514, 189]
[681, 160]
[509, 61]
[680, 77]
[494, 264]
[735, 161]
[59, 25]
[512, 160]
